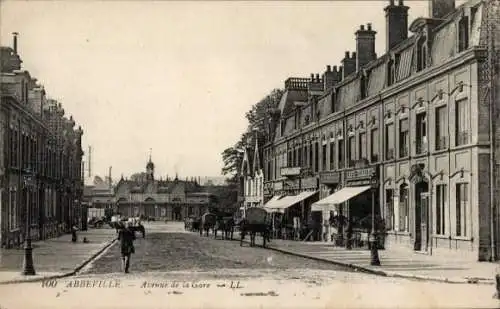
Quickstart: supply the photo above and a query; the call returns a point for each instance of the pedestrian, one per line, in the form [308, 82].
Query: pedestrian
[126, 237]
[74, 228]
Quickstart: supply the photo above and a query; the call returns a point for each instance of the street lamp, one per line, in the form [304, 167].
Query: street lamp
[374, 258]
[28, 267]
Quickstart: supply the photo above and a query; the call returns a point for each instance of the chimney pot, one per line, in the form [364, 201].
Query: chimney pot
[312, 76]
[362, 27]
[335, 68]
[14, 45]
[354, 55]
[391, 2]
[317, 77]
[346, 54]
[369, 26]
[328, 68]
[401, 2]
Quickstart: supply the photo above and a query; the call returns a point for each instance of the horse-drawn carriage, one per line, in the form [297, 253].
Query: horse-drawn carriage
[256, 220]
[192, 223]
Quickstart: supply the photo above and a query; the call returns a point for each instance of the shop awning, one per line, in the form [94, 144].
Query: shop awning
[272, 201]
[338, 197]
[289, 201]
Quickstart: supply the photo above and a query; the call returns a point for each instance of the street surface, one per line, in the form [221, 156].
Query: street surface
[177, 269]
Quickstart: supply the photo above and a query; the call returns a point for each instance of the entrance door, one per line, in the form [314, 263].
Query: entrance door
[421, 217]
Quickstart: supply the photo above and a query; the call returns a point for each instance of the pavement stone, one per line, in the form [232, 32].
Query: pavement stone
[56, 257]
[394, 263]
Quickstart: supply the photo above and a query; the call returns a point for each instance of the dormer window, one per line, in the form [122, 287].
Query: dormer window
[390, 72]
[463, 34]
[421, 54]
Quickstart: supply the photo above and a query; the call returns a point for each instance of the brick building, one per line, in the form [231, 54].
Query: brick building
[414, 118]
[38, 143]
[171, 199]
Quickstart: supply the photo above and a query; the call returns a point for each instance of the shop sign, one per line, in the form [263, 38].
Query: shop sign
[311, 182]
[291, 184]
[290, 171]
[278, 186]
[362, 173]
[329, 177]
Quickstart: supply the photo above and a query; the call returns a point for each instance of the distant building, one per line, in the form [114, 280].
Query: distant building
[99, 195]
[161, 199]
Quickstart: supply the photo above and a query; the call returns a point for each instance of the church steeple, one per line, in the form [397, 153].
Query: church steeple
[150, 168]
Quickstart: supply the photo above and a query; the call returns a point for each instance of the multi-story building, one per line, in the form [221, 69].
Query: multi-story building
[253, 177]
[41, 182]
[416, 119]
[162, 199]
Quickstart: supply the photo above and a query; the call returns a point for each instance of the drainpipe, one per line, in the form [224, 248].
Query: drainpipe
[492, 151]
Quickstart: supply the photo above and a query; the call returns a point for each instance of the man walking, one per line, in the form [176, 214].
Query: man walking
[126, 237]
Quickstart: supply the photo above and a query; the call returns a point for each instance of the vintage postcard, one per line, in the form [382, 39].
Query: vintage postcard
[249, 154]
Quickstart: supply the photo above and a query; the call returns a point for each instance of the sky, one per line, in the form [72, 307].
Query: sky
[177, 77]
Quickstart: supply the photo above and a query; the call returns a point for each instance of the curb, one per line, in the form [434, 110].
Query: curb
[369, 270]
[64, 275]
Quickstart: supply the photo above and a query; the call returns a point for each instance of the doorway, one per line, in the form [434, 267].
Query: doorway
[421, 216]
[176, 214]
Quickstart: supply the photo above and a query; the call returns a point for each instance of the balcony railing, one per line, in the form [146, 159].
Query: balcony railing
[389, 155]
[441, 142]
[420, 146]
[462, 138]
[403, 152]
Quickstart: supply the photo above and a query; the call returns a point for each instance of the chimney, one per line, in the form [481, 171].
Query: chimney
[365, 46]
[14, 45]
[349, 64]
[440, 8]
[331, 77]
[396, 23]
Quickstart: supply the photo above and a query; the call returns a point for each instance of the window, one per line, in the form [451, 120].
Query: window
[311, 154]
[332, 155]
[390, 72]
[421, 54]
[441, 128]
[323, 158]
[316, 156]
[441, 209]
[421, 133]
[299, 155]
[461, 123]
[351, 151]
[306, 153]
[463, 34]
[389, 141]
[13, 222]
[461, 211]
[340, 152]
[362, 145]
[389, 202]
[374, 145]
[403, 209]
[403, 138]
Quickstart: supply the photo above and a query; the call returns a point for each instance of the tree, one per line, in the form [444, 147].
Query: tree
[258, 122]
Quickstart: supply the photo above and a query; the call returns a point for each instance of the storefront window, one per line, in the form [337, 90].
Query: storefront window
[403, 209]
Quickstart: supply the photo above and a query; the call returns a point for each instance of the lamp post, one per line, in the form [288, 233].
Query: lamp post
[28, 267]
[374, 258]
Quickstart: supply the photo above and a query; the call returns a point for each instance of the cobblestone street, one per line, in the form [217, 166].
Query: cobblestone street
[188, 251]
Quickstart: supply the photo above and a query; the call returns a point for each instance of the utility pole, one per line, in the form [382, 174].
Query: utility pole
[90, 161]
[489, 72]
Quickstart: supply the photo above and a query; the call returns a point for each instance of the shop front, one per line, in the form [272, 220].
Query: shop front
[329, 183]
[351, 204]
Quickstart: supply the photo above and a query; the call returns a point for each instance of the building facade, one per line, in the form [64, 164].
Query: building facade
[40, 159]
[253, 177]
[415, 119]
[170, 199]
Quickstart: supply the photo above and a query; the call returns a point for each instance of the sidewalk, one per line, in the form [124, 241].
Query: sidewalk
[56, 257]
[394, 263]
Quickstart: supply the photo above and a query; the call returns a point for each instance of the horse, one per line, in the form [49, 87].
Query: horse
[253, 228]
[208, 221]
[226, 225]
